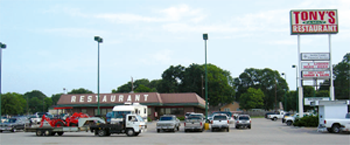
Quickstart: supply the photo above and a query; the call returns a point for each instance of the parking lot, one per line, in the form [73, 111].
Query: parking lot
[263, 131]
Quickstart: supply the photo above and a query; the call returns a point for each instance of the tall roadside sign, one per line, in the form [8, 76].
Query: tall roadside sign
[318, 65]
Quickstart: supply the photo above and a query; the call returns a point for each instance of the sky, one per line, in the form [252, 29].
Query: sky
[50, 43]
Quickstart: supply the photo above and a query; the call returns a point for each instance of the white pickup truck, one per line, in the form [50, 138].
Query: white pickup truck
[289, 120]
[334, 125]
[276, 116]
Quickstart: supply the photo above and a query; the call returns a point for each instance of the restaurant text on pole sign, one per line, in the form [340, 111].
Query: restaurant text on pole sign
[316, 74]
[314, 21]
[314, 65]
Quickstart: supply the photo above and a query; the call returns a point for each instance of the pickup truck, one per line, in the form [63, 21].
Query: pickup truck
[289, 120]
[334, 125]
[194, 123]
[220, 121]
[277, 115]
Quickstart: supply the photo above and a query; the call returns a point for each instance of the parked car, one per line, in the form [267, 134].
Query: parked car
[220, 121]
[228, 114]
[36, 118]
[334, 125]
[14, 124]
[3, 119]
[285, 116]
[276, 116]
[168, 123]
[243, 121]
[188, 114]
[201, 115]
[194, 123]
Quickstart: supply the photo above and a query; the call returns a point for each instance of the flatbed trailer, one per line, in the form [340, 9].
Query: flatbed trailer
[83, 125]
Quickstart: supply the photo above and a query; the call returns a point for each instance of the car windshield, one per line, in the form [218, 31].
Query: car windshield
[120, 114]
[194, 118]
[139, 118]
[167, 118]
[220, 118]
[196, 115]
[243, 118]
[227, 113]
[11, 120]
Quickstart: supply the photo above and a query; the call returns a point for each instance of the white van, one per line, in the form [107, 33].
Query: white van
[120, 111]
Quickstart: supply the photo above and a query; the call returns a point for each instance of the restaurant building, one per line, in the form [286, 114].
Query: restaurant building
[158, 103]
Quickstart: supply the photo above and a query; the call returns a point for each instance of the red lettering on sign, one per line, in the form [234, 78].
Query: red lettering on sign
[313, 15]
[296, 17]
[304, 16]
[321, 14]
[331, 15]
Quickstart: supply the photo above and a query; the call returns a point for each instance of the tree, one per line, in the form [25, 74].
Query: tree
[80, 91]
[12, 104]
[253, 98]
[142, 88]
[171, 79]
[267, 80]
[36, 100]
[341, 72]
[126, 88]
[55, 98]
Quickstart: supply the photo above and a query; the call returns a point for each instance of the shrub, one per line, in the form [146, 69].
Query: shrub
[149, 119]
[307, 121]
[181, 118]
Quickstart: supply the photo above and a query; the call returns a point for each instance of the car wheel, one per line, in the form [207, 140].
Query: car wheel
[101, 132]
[178, 128]
[228, 130]
[289, 123]
[185, 130]
[158, 130]
[335, 128]
[136, 134]
[212, 130]
[39, 133]
[275, 119]
[329, 130]
[130, 132]
[53, 133]
[60, 133]
[13, 129]
[0, 131]
[47, 132]
[249, 127]
[237, 127]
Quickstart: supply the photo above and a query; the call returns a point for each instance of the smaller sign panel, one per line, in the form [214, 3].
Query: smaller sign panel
[315, 21]
[309, 100]
[315, 74]
[315, 56]
[314, 65]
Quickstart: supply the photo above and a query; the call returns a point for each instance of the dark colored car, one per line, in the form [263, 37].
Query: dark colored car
[14, 124]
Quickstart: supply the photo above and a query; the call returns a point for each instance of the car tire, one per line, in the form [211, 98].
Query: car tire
[39, 133]
[185, 130]
[178, 128]
[130, 132]
[212, 130]
[101, 133]
[237, 126]
[13, 129]
[136, 134]
[228, 130]
[249, 127]
[53, 133]
[47, 132]
[336, 128]
[158, 130]
[60, 133]
[289, 123]
[275, 119]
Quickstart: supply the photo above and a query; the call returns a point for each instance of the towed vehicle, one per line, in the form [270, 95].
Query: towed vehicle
[14, 124]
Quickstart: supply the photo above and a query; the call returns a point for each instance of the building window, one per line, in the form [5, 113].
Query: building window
[227, 109]
[84, 111]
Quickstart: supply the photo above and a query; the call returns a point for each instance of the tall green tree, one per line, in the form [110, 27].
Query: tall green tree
[80, 91]
[171, 79]
[341, 72]
[269, 81]
[253, 98]
[36, 101]
[55, 98]
[12, 104]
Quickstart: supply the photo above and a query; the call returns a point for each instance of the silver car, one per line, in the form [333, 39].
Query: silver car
[243, 121]
[194, 123]
[168, 123]
[14, 124]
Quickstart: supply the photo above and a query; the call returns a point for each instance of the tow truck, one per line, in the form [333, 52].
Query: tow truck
[130, 124]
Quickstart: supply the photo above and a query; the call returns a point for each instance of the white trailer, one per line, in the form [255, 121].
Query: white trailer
[120, 111]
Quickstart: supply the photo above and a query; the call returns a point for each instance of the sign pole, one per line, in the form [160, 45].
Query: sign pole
[300, 99]
[331, 88]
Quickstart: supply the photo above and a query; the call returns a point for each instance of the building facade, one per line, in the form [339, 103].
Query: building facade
[158, 103]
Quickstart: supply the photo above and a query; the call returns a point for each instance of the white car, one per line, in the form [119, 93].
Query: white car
[220, 121]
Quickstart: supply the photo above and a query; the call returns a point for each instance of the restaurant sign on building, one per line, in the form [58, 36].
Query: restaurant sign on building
[314, 21]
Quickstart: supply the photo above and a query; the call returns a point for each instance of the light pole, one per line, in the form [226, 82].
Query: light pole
[296, 86]
[205, 38]
[285, 93]
[99, 40]
[2, 46]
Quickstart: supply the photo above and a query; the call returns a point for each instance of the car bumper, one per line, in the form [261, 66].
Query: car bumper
[5, 128]
[165, 127]
[219, 126]
[322, 128]
[193, 127]
[243, 124]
